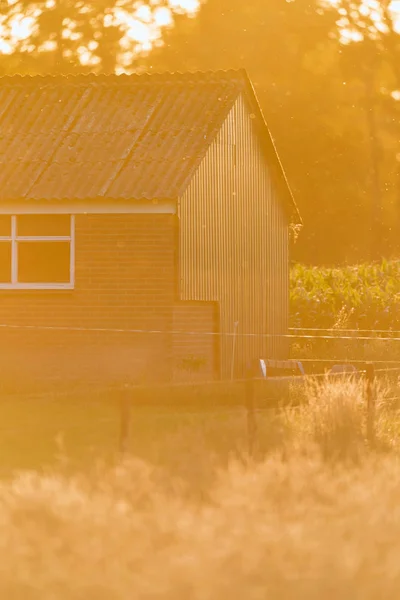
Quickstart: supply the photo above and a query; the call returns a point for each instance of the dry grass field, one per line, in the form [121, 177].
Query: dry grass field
[314, 514]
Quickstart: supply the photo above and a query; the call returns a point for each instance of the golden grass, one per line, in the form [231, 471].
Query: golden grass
[315, 514]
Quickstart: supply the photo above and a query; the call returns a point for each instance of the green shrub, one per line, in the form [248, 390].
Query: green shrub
[364, 296]
[353, 297]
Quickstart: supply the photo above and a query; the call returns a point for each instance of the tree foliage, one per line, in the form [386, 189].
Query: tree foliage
[328, 101]
[64, 36]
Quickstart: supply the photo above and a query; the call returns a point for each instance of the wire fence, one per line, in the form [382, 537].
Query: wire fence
[311, 356]
[373, 334]
[217, 396]
[345, 330]
[116, 428]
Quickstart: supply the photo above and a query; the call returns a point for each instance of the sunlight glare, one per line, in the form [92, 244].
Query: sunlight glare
[189, 6]
[109, 20]
[144, 13]
[162, 17]
[395, 8]
[137, 31]
[22, 27]
[5, 47]
[86, 57]
[365, 10]
[48, 46]
[348, 35]
[146, 46]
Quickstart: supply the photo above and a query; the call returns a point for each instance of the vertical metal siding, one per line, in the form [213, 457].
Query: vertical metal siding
[234, 243]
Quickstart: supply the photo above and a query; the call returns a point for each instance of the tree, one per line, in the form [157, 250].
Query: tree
[316, 109]
[371, 54]
[63, 36]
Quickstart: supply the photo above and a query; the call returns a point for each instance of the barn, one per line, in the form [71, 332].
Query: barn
[144, 228]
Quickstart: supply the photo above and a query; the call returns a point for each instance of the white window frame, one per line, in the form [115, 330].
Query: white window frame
[14, 238]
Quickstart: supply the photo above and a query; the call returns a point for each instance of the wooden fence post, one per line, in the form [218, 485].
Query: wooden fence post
[250, 409]
[370, 397]
[125, 414]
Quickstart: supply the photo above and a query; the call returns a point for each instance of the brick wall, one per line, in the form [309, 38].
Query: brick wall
[125, 278]
[196, 352]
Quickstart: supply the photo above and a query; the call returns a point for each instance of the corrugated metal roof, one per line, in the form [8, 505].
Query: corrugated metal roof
[117, 137]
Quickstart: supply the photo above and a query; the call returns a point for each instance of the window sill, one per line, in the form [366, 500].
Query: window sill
[36, 286]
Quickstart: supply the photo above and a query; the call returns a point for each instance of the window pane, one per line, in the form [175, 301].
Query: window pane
[43, 225]
[43, 262]
[5, 225]
[5, 262]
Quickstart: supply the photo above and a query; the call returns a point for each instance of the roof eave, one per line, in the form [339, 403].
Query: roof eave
[265, 134]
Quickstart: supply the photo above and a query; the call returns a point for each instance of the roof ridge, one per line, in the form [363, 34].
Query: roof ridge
[207, 75]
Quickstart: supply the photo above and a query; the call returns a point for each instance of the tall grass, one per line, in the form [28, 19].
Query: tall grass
[316, 514]
[333, 419]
